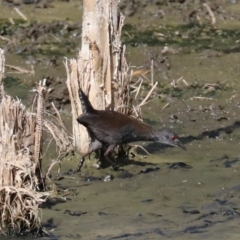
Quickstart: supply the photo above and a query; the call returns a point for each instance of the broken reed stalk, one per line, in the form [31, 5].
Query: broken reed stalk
[211, 14]
[39, 118]
[101, 69]
[77, 69]
[2, 69]
[152, 71]
[20, 150]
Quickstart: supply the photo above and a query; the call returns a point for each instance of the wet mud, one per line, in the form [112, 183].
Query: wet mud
[171, 193]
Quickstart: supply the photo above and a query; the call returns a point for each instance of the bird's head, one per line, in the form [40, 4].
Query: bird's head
[169, 137]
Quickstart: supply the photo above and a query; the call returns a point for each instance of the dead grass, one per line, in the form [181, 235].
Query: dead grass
[20, 165]
[60, 135]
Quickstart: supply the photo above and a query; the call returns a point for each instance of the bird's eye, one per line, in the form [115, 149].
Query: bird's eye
[173, 138]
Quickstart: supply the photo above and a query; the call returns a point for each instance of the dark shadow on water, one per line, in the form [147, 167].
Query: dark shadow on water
[155, 147]
[121, 162]
[158, 147]
[158, 232]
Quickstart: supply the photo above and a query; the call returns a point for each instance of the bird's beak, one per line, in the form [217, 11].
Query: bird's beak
[181, 145]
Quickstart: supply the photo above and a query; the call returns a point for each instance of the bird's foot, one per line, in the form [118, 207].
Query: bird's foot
[115, 167]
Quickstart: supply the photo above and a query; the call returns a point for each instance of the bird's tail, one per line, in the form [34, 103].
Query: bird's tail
[85, 103]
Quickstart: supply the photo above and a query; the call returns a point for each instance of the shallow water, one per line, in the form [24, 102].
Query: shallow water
[199, 200]
[196, 203]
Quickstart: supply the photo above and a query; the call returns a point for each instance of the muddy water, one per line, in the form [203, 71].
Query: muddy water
[193, 194]
[200, 202]
[194, 202]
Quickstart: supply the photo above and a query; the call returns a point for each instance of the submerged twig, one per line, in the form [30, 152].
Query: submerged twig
[201, 98]
[165, 106]
[21, 70]
[20, 14]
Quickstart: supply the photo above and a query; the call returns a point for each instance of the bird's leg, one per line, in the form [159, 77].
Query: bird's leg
[94, 145]
[81, 162]
[110, 148]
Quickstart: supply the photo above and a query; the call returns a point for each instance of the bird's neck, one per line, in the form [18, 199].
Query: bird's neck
[147, 133]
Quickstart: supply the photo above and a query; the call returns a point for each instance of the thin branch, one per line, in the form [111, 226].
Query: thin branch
[146, 98]
[211, 14]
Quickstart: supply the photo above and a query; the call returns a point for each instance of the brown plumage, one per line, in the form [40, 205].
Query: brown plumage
[111, 128]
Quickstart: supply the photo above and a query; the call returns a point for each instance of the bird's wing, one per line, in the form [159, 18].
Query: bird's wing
[108, 126]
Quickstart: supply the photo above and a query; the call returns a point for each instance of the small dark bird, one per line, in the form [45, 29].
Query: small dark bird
[110, 128]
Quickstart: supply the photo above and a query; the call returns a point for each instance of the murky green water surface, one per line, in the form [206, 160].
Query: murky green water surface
[198, 200]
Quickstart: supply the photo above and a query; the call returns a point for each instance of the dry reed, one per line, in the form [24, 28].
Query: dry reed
[20, 173]
[19, 200]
